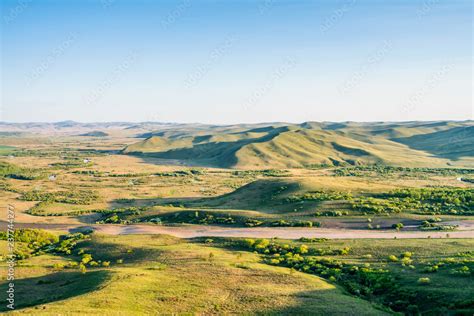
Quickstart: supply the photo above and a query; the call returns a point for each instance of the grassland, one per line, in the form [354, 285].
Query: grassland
[214, 276]
[131, 183]
[149, 274]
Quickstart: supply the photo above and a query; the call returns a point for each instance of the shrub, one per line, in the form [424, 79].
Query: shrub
[398, 226]
[431, 269]
[393, 258]
[463, 271]
[82, 268]
[424, 281]
[86, 258]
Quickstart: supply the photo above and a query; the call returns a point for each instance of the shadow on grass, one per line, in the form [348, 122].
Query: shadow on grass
[54, 287]
[328, 302]
[113, 252]
[264, 195]
[217, 154]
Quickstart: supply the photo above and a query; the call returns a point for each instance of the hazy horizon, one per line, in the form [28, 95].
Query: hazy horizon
[228, 63]
[224, 124]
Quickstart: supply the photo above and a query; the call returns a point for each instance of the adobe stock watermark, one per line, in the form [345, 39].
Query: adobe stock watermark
[175, 14]
[265, 6]
[374, 59]
[112, 78]
[336, 16]
[432, 81]
[11, 262]
[107, 3]
[50, 60]
[16, 11]
[214, 57]
[279, 73]
[426, 7]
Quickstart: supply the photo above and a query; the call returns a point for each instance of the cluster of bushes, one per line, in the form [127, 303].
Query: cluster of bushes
[36, 239]
[67, 243]
[450, 201]
[82, 197]
[398, 226]
[370, 205]
[457, 266]
[362, 279]
[253, 222]
[40, 209]
[40, 242]
[178, 173]
[434, 200]
[214, 218]
[320, 196]
[284, 223]
[4, 186]
[312, 240]
[120, 215]
[265, 173]
[359, 171]
[268, 247]
[71, 163]
[85, 261]
[8, 170]
[359, 280]
[196, 217]
[331, 213]
[450, 196]
[461, 271]
[405, 259]
[427, 225]
[94, 173]
[66, 153]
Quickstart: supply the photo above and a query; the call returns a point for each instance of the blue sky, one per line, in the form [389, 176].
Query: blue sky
[236, 61]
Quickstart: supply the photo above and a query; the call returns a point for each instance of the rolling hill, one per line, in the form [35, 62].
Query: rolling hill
[279, 144]
[311, 143]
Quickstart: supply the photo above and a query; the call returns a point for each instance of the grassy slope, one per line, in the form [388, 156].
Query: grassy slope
[453, 143]
[444, 287]
[408, 144]
[269, 194]
[168, 275]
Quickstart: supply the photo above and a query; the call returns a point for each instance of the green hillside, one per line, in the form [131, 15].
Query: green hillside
[311, 143]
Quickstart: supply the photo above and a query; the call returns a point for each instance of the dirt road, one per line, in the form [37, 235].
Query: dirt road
[189, 231]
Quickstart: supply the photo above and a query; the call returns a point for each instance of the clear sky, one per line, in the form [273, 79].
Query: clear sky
[236, 60]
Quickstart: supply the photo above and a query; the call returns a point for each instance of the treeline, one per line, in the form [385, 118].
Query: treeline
[265, 173]
[359, 171]
[81, 197]
[178, 173]
[131, 215]
[432, 201]
[320, 196]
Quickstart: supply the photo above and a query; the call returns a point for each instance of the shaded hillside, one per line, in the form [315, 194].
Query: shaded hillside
[312, 143]
[453, 143]
[95, 134]
[217, 149]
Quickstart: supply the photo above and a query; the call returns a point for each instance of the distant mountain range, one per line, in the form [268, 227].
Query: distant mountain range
[283, 145]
